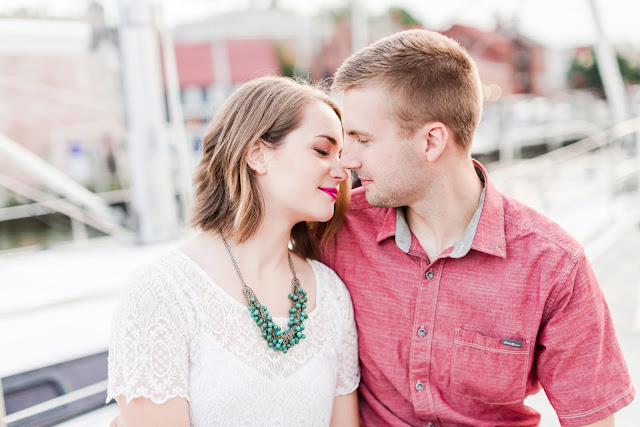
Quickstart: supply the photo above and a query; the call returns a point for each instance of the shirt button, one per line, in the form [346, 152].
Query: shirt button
[422, 332]
[429, 275]
[419, 386]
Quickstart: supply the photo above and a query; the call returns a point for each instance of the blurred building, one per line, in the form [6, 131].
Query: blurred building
[333, 52]
[209, 71]
[60, 80]
[217, 54]
[504, 57]
[59, 98]
[338, 45]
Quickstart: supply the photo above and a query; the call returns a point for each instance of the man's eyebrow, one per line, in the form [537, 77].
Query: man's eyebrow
[331, 139]
[357, 132]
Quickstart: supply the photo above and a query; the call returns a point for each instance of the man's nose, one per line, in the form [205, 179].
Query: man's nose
[349, 158]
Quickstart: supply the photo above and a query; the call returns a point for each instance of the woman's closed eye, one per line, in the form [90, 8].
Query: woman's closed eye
[322, 152]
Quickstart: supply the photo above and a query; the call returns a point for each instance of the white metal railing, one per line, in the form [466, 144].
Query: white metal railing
[598, 140]
[63, 206]
[28, 210]
[56, 402]
[588, 187]
[86, 207]
[536, 170]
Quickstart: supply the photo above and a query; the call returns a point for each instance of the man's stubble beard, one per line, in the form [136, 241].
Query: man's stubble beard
[392, 198]
[379, 201]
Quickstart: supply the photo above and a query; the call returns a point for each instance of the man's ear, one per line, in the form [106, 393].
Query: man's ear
[435, 137]
[256, 157]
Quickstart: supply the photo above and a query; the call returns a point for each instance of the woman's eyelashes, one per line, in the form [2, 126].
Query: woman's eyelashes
[322, 152]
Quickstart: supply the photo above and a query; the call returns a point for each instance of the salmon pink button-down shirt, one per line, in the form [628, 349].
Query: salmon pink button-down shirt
[462, 339]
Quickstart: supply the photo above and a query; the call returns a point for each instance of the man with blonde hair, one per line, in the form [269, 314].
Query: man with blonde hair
[466, 301]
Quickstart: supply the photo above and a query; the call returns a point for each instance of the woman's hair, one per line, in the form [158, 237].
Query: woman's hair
[228, 197]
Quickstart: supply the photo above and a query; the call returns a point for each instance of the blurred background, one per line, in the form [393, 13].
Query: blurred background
[103, 105]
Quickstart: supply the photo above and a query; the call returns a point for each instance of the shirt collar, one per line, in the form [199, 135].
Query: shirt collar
[484, 233]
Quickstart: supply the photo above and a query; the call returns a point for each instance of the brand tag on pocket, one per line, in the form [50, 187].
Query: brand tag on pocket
[512, 343]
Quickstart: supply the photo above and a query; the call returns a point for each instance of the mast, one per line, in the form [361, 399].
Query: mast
[176, 118]
[358, 26]
[153, 200]
[612, 77]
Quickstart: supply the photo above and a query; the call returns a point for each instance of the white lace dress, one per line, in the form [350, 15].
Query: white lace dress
[175, 333]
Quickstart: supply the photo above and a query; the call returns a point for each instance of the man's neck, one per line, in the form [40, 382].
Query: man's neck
[440, 218]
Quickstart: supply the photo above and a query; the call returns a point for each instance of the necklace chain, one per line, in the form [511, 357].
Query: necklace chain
[272, 333]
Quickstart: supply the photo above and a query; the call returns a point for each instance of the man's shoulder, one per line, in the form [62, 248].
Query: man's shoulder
[524, 222]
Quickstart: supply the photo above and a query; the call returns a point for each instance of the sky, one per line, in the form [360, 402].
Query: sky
[555, 23]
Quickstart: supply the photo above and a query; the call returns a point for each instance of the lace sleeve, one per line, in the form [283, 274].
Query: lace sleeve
[149, 347]
[348, 375]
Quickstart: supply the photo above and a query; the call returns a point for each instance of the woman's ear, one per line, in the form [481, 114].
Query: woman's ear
[256, 157]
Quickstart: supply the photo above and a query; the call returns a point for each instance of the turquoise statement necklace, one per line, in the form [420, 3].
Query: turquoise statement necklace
[272, 333]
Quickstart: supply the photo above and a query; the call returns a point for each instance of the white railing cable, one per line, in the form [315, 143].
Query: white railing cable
[61, 205]
[560, 155]
[28, 210]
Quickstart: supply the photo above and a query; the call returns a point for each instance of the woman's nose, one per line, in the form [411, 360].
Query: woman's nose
[338, 172]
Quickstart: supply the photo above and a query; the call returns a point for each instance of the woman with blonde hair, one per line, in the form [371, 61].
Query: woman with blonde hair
[239, 325]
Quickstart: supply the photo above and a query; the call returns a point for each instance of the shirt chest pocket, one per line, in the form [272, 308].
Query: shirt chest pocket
[492, 370]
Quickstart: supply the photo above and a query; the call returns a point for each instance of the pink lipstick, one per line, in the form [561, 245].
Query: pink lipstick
[333, 192]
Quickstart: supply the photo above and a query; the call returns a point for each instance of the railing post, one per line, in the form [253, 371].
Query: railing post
[3, 412]
[638, 161]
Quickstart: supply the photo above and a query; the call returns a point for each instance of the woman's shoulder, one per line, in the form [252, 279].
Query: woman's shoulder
[158, 277]
[156, 287]
[328, 280]
[334, 299]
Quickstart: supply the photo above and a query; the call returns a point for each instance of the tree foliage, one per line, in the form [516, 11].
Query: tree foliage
[286, 63]
[404, 17]
[584, 72]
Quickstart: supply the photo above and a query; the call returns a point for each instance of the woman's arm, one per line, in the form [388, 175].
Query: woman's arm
[606, 422]
[141, 412]
[152, 313]
[345, 410]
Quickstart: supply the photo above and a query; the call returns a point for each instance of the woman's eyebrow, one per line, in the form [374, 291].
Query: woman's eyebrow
[331, 139]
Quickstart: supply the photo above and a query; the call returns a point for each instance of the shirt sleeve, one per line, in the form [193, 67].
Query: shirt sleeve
[149, 347]
[579, 362]
[348, 372]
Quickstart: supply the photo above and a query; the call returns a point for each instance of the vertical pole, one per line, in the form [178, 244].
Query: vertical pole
[505, 144]
[221, 71]
[609, 70]
[612, 77]
[183, 152]
[359, 37]
[152, 191]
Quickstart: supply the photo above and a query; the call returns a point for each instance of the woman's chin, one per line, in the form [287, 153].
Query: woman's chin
[317, 217]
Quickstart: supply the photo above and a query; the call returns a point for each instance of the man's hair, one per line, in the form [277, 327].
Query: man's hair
[228, 197]
[430, 77]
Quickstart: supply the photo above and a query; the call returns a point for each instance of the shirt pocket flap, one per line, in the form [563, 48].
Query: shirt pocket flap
[492, 370]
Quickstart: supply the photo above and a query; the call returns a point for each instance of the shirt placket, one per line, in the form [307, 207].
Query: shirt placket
[422, 337]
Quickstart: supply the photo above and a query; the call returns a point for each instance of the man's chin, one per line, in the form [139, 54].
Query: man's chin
[375, 200]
